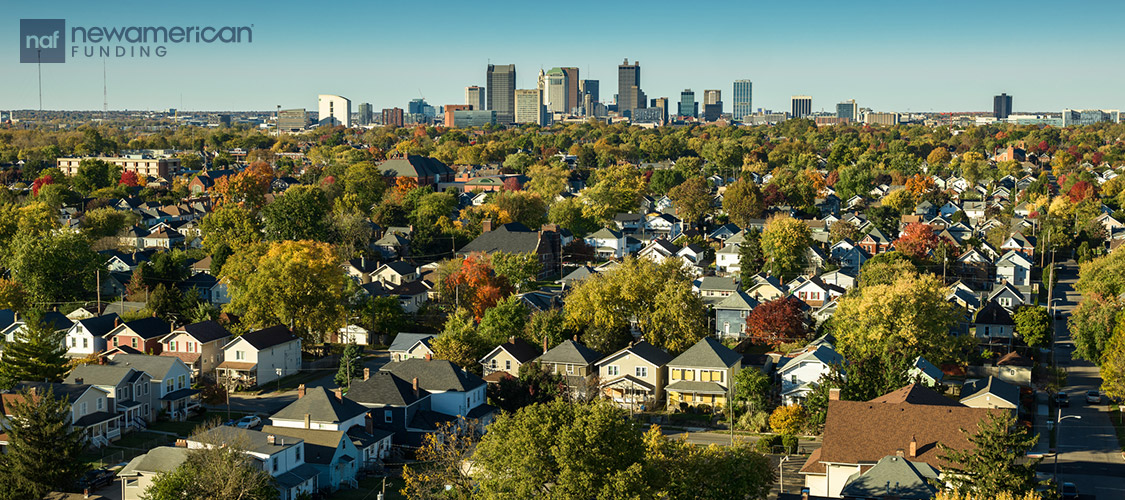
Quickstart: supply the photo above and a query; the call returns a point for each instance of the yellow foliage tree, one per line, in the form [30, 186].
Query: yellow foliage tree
[788, 420]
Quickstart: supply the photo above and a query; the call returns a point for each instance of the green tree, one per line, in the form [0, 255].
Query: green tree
[842, 229]
[885, 268]
[1091, 324]
[44, 451]
[106, 221]
[998, 460]
[55, 267]
[1033, 325]
[230, 225]
[36, 353]
[549, 325]
[301, 213]
[676, 469]
[520, 269]
[534, 385]
[1113, 366]
[94, 174]
[351, 365]
[743, 202]
[784, 243]
[752, 387]
[459, 341]
[222, 468]
[506, 319]
[548, 181]
[664, 180]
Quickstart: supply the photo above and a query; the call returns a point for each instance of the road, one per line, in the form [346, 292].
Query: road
[1089, 455]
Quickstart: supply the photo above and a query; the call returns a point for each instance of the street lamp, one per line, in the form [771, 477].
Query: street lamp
[781, 473]
[1058, 438]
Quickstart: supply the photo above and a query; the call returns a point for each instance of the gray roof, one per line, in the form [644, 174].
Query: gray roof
[206, 331]
[320, 445]
[645, 351]
[384, 388]
[321, 406]
[156, 366]
[159, 459]
[404, 341]
[508, 238]
[269, 337]
[251, 440]
[824, 354]
[297, 475]
[994, 386]
[707, 353]
[414, 166]
[928, 369]
[100, 374]
[570, 352]
[150, 327]
[71, 391]
[893, 476]
[694, 386]
[606, 234]
[718, 283]
[435, 375]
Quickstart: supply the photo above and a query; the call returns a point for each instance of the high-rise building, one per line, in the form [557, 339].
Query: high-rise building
[529, 106]
[573, 95]
[743, 99]
[688, 106]
[449, 109]
[1001, 106]
[558, 90]
[292, 120]
[802, 106]
[1079, 117]
[541, 84]
[416, 106]
[501, 90]
[473, 118]
[629, 87]
[393, 117]
[590, 88]
[881, 118]
[712, 96]
[334, 110]
[365, 114]
[662, 103]
[474, 96]
[712, 112]
[848, 109]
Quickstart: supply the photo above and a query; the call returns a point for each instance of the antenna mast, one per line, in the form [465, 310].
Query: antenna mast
[105, 94]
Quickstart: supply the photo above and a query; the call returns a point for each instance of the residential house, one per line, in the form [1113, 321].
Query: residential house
[361, 269]
[410, 345]
[607, 243]
[162, 238]
[664, 225]
[713, 289]
[138, 475]
[318, 409]
[840, 278]
[1015, 268]
[725, 231]
[727, 259]
[411, 295]
[141, 335]
[331, 452]
[88, 336]
[658, 250]
[91, 410]
[990, 392]
[397, 406]
[1008, 296]
[129, 389]
[423, 170]
[993, 324]
[766, 288]
[14, 324]
[694, 253]
[731, 313]
[702, 375]
[925, 373]
[198, 345]
[260, 357]
[815, 292]
[628, 222]
[575, 362]
[635, 376]
[849, 256]
[453, 391]
[799, 371]
[170, 384]
[283, 457]
[395, 273]
[506, 359]
[894, 477]
[1020, 243]
[516, 238]
[393, 245]
[875, 242]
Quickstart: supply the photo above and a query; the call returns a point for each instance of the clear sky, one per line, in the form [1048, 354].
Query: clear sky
[904, 55]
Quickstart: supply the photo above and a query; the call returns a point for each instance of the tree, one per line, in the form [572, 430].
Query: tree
[443, 463]
[475, 286]
[106, 221]
[938, 157]
[351, 365]
[519, 269]
[663, 180]
[617, 188]
[1033, 325]
[247, 189]
[549, 325]
[548, 181]
[94, 174]
[692, 199]
[534, 385]
[788, 420]
[784, 243]
[12, 295]
[917, 240]
[901, 201]
[294, 283]
[998, 460]
[776, 322]
[750, 258]
[885, 268]
[129, 178]
[230, 225]
[459, 342]
[221, 468]
[1091, 324]
[44, 451]
[507, 319]
[1113, 366]
[301, 213]
[676, 469]
[55, 267]
[843, 229]
[743, 202]
[752, 387]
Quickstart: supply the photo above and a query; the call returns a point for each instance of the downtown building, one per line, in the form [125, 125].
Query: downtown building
[393, 117]
[848, 110]
[629, 93]
[743, 99]
[334, 110]
[1080, 117]
[1001, 106]
[500, 89]
[689, 108]
[801, 106]
[529, 106]
[474, 96]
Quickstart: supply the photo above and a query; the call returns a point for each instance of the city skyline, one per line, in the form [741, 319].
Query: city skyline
[919, 72]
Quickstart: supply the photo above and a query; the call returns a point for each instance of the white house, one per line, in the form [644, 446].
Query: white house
[87, 336]
[608, 244]
[799, 372]
[453, 391]
[318, 409]
[1014, 268]
[282, 456]
[261, 357]
[727, 259]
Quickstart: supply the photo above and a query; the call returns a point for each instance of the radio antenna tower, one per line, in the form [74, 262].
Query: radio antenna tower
[39, 63]
[105, 95]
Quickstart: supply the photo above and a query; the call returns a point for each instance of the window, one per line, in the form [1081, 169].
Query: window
[134, 342]
[677, 374]
[83, 408]
[183, 382]
[298, 450]
[115, 342]
[492, 364]
[273, 462]
[689, 375]
[793, 379]
[507, 364]
[101, 404]
[73, 342]
[172, 346]
[169, 385]
[85, 342]
[612, 370]
[388, 415]
[642, 371]
[569, 369]
[239, 355]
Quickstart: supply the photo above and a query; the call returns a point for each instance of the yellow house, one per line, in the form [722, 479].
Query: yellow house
[506, 359]
[702, 375]
[635, 376]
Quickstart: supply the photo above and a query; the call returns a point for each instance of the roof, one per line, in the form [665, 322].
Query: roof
[993, 314]
[509, 238]
[384, 388]
[400, 267]
[707, 353]
[698, 387]
[570, 352]
[94, 418]
[825, 354]
[71, 391]
[205, 331]
[149, 328]
[718, 283]
[928, 368]
[910, 480]
[916, 394]
[269, 337]
[1014, 359]
[321, 406]
[737, 301]
[252, 440]
[404, 341]
[520, 349]
[56, 320]
[645, 351]
[435, 375]
[414, 166]
[297, 475]
[180, 394]
[605, 234]
[320, 445]
[100, 374]
[157, 366]
[159, 459]
[991, 386]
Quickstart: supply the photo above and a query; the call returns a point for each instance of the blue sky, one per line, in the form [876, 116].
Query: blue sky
[891, 56]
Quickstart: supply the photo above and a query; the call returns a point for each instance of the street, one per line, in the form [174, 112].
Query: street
[1089, 454]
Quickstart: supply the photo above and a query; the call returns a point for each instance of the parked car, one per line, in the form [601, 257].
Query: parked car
[1062, 400]
[1093, 397]
[1069, 491]
[248, 422]
[96, 479]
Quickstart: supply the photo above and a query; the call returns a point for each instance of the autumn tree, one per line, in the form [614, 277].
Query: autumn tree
[299, 214]
[55, 267]
[232, 226]
[294, 283]
[886, 268]
[743, 202]
[676, 469]
[129, 178]
[920, 184]
[247, 189]
[901, 201]
[1033, 325]
[475, 285]
[1112, 367]
[788, 420]
[443, 465]
[222, 468]
[12, 295]
[519, 269]
[784, 243]
[939, 157]
[692, 199]
[1101, 282]
[917, 240]
[548, 181]
[843, 229]
[614, 189]
[776, 322]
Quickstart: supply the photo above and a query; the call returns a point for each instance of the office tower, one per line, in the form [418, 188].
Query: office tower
[688, 106]
[365, 114]
[848, 109]
[393, 117]
[541, 85]
[449, 110]
[334, 110]
[501, 90]
[558, 88]
[743, 99]
[629, 87]
[590, 88]
[662, 103]
[712, 96]
[1079, 117]
[416, 106]
[473, 118]
[292, 120]
[802, 106]
[881, 118]
[1001, 106]
[712, 112]
[573, 95]
[474, 96]
[529, 106]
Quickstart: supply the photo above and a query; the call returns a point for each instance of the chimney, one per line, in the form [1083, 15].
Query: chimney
[366, 373]
[369, 424]
[117, 322]
[900, 453]
[486, 225]
[339, 394]
[544, 344]
[913, 447]
[181, 443]
[512, 339]
[271, 439]
[575, 338]
[415, 386]
[308, 421]
[300, 391]
[78, 381]
[834, 394]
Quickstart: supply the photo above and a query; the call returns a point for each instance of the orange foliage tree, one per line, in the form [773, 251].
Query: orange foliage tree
[920, 184]
[247, 189]
[917, 241]
[477, 286]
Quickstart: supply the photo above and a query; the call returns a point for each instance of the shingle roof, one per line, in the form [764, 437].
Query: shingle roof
[56, 320]
[157, 366]
[99, 374]
[893, 477]
[404, 341]
[916, 394]
[414, 166]
[255, 441]
[707, 353]
[206, 331]
[508, 238]
[991, 385]
[320, 445]
[571, 352]
[150, 327]
[993, 314]
[269, 337]
[645, 351]
[521, 350]
[435, 375]
[321, 406]
[384, 388]
[159, 459]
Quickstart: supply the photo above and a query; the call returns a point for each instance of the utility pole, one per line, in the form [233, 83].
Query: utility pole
[98, 291]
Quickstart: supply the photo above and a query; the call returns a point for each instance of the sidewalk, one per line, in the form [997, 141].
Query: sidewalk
[1042, 425]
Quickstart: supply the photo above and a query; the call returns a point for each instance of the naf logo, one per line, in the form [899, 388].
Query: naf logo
[42, 40]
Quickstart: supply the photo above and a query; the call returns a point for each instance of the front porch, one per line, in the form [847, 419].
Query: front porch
[630, 392]
[683, 393]
[236, 375]
[100, 428]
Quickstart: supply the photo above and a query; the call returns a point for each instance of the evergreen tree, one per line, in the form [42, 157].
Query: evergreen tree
[997, 462]
[36, 354]
[351, 365]
[43, 449]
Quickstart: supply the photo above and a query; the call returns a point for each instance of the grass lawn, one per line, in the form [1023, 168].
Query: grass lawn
[690, 418]
[185, 428]
[369, 490]
[143, 439]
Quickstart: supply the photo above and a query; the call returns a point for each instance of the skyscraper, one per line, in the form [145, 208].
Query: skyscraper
[688, 106]
[662, 103]
[558, 91]
[500, 82]
[629, 87]
[474, 96]
[848, 109]
[1001, 106]
[529, 106]
[573, 95]
[743, 99]
[392, 117]
[334, 110]
[590, 88]
[365, 114]
[712, 96]
[802, 106]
